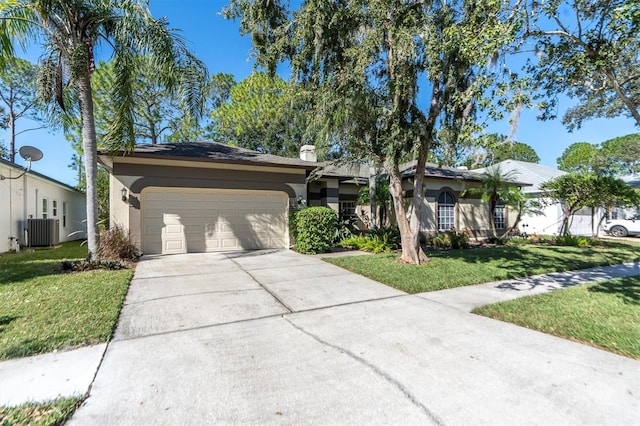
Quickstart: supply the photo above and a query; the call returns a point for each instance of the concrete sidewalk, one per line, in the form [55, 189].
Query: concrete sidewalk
[49, 376]
[469, 297]
[277, 337]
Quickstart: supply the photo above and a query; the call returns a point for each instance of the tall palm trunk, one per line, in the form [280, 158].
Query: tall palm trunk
[90, 147]
[493, 202]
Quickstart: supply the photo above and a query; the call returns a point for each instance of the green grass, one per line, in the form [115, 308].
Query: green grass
[44, 309]
[605, 315]
[49, 414]
[456, 268]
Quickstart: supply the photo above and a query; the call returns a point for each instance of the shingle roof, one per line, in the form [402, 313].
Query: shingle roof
[433, 170]
[360, 172]
[214, 152]
[632, 179]
[531, 173]
[357, 172]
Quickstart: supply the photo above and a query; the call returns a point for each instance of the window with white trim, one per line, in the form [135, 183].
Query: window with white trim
[54, 208]
[499, 218]
[64, 214]
[45, 208]
[347, 210]
[446, 211]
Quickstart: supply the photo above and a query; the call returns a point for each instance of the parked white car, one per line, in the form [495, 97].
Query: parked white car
[623, 227]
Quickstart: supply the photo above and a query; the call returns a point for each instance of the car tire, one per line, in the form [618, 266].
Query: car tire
[619, 231]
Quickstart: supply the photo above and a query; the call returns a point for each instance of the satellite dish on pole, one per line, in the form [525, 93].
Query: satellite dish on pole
[30, 153]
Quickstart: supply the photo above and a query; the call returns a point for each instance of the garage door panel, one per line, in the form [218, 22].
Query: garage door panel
[201, 220]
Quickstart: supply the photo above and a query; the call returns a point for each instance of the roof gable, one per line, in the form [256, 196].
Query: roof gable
[39, 175]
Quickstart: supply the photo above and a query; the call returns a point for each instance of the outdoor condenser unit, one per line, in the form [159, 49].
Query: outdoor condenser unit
[43, 232]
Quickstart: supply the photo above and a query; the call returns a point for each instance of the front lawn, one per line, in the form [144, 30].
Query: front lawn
[605, 315]
[43, 308]
[456, 268]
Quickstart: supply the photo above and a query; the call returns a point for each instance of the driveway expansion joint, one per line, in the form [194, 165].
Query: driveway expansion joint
[175, 296]
[274, 295]
[376, 370]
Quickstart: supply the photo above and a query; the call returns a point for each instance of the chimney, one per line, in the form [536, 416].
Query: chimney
[308, 153]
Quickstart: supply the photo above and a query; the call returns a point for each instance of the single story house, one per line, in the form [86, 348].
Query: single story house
[207, 196]
[633, 180]
[584, 222]
[447, 203]
[37, 210]
[204, 196]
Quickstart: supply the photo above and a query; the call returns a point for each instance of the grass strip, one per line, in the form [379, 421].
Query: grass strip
[51, 413]
[605, 315]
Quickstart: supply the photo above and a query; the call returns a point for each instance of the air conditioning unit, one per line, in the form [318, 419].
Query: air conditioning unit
[43, 232]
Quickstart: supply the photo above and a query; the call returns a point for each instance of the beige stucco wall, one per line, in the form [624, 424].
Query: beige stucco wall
[179, 174]
[471, 213]
[118, 209]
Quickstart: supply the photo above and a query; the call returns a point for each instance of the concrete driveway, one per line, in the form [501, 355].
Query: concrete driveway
[274, 337]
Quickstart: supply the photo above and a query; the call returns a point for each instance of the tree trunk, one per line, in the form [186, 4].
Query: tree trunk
[492, 216]
[409, 228]
[12, 140]
[629, 103]
[90, 147]
[373, 175]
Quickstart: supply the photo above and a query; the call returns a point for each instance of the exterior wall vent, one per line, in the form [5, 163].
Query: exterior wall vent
[43, 232]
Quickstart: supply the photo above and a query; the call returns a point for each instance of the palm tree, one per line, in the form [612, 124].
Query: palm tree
[70, 31]
[496, 186]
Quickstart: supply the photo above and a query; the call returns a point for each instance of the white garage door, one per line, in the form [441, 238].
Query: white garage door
[204, 220]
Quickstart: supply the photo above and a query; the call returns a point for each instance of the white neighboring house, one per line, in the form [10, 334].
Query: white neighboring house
[633, 180]
[584, 222]
[36, 196]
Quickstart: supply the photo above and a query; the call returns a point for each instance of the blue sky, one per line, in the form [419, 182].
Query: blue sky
[218, 43]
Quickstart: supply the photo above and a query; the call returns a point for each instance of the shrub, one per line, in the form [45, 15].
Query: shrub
[293, 225]
[380, 240]
[346, 229]
[115, 244]
[572, 240]
[315, 229]
[90, 265]
[451, 240]
[390, 234]
[355, 242]
[499, 241]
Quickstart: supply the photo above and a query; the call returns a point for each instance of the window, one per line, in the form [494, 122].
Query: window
[54, 208]
[499, 216]
[446, 211]
[64, 213]
[45, 208]
[347, 210]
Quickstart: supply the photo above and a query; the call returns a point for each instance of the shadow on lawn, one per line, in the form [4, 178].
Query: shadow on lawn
[14, 273]
[520, 261]
[24, 348]
[626, 288]
[6, 320]
[15, 267]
